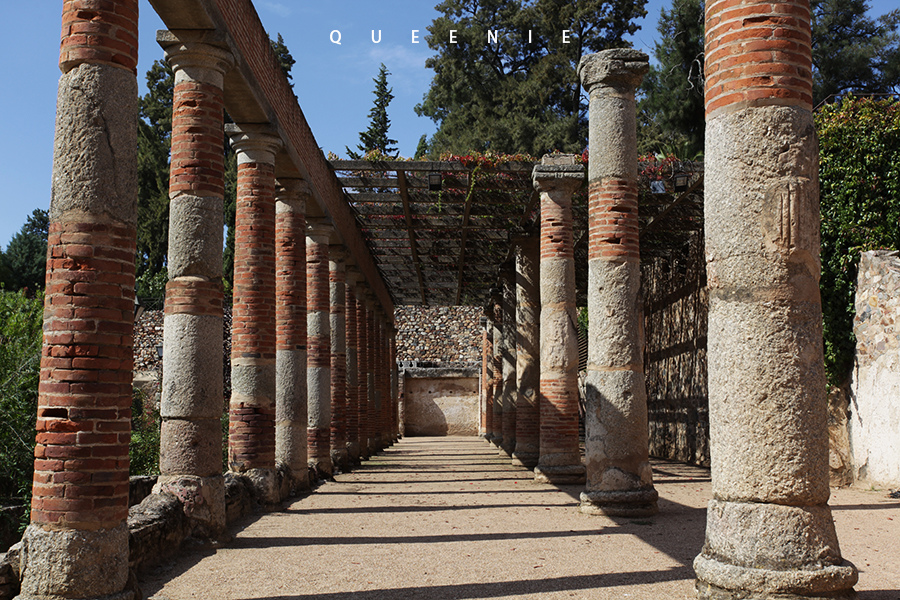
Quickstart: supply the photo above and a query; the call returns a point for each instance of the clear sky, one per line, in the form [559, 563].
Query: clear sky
[333, 82]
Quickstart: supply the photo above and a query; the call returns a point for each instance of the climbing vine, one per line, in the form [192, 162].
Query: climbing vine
[859, 174]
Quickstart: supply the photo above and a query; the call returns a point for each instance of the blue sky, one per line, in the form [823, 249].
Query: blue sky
[333, 82]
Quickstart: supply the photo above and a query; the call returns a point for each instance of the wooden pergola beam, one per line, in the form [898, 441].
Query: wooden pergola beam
[404, 195]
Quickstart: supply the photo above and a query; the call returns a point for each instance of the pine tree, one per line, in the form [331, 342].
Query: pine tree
[285, 60]
[26, 255]
[376, 136]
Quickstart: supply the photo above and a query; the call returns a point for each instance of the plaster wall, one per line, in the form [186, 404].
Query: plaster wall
[441, 406]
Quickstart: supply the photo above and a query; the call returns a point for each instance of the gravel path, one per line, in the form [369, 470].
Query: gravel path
[446, 518]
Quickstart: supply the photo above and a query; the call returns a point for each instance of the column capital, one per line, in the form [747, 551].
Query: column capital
[292, 188]
[254, 142]
[196, 55]
[353, 276]
[338, 253]
[620, 68]
[558, 173]
[319, 230]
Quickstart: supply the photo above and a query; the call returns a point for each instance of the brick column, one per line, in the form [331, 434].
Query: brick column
[497, 335]
[395, 384]
[487, 386]
[191, 408]
[352, 325]
[528, 313]
[77, 543]
[619, 478]
[337, 257]
[291, 418]
[557, 178]
[769, 530]
[318, 320]
[388, 409]
[374, 410]
[509, 393]
[251, 427]
[382, 380]
[362, 369]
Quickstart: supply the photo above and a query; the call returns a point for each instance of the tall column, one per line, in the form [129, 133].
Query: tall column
[395, 384]
[497, 334]
[528, 377]
[251, 426]
[291, 416]
[374, 406]
[383, 381]
[77, 543]
[510, 394]
[619, 477]
[362, 369]
[557, 178]
[769, 530]
[488, 372]
[352, 325]
[318, 343]
[337, 258]
[190, 457]
[483, 380]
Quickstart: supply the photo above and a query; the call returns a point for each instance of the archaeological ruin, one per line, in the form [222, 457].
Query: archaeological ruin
[330, 255]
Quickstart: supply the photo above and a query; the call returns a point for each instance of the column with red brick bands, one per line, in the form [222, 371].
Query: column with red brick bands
[619, 478]
[373, 397]
[497, 370]
[291, 197]
[395, 383]
[528, 314]
[381, 397]
[78, 536]
[509, 393]
[337, 261]
[387, 406]
[251, 429]
[557, 178]
[362, 370]
[487, 376]
[769, 529]
[191, 402]
[352, 365]
[318, 320]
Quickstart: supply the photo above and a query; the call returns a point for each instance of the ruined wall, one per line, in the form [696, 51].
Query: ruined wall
[440, 402]
[874, 422]
[446, 335]
[675, 307]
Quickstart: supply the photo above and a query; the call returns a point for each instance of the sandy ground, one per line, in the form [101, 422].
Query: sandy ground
[447, 518]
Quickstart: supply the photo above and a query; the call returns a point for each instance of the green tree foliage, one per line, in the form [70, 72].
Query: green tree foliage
[859, 167]
[853, 52]
[376, 136]
[671, 109]
[25, 259]
[154, 143]
[21, 319]
[285, 60]
[514, 96]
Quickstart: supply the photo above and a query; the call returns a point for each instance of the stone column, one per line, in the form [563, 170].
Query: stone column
[374, 406]
[487, 361]
[483, 380]
[362, 369]
[352, 325]
[510, 394]
[619, 477]
[337, 257]
[497, 335]
[383, 381]
[557, 178]
[77, 543]
[318, 342]
[528, 377]
[769, 530]
[191, 406]
[251, 427]
[394, 383]
[291, 416]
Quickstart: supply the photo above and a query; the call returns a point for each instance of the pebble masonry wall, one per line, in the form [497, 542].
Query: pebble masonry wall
[446, 335]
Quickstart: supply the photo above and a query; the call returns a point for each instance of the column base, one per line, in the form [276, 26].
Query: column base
[508, 447]
[528, 460]
[322, 468]
[353, 453]
[497, 440]
[559, 474]
[203, 499]
[340, 460]
[61, 564]
[833, 582]
[264, 484]
[620, 503]
[488, 437]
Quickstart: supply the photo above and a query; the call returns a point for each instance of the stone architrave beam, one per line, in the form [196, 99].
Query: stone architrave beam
[619, 477]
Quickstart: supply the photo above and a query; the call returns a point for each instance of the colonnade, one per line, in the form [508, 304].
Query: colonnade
[313, 344]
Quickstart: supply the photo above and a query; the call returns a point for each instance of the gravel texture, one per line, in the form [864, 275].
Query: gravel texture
[445, 518]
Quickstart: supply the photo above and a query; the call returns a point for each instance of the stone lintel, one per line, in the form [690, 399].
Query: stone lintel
[620, 68]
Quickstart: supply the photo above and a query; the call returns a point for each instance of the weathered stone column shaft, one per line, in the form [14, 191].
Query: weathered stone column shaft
[619, 477]
[509, 394]
[78, 537]
[352, 367]
[318, 322]
[769, 529]
[497, 335]
[487, 391]
[362, 392]
[337, 257]
[291, 416]
[557, 179]
[528, 310]
[374, 404]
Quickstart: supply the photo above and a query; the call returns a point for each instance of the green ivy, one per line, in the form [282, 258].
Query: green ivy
[859, 175]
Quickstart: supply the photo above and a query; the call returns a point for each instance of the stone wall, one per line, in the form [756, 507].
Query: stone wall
[874, 422]
[446, 335]
[675, 303]
[440, 402]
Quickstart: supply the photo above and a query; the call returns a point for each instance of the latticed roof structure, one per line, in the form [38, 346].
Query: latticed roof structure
[439, 231]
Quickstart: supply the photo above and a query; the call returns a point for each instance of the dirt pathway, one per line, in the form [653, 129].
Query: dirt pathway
[446, 518]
